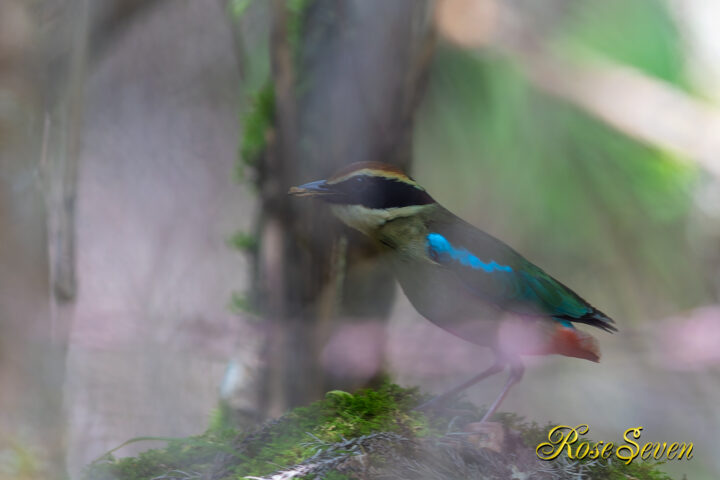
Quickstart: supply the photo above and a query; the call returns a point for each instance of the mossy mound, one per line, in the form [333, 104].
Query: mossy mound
[373, 435]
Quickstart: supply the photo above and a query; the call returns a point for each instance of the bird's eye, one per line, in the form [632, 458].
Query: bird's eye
[360, 182]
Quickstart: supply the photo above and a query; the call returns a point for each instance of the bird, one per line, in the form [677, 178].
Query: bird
[459, 277]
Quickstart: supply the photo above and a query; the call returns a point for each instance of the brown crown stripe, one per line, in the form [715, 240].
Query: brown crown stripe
[376, 169]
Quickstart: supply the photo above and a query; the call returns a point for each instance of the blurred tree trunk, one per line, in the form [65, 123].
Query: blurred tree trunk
[347, 77]
[43, 59]
[33, 327]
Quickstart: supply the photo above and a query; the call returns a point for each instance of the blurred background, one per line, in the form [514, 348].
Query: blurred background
[152, 268]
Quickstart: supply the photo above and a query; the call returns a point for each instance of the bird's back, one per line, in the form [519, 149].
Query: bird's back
[466, 281]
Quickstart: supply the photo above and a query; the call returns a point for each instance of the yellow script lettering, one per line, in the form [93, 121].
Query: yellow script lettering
[560, 437]
[688, 452]
[627, 452]
[607, 450]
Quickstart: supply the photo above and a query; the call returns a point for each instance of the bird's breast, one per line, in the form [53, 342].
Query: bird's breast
[436, 292]
[438, 295]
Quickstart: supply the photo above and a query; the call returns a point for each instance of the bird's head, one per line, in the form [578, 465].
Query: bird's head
[366, 195]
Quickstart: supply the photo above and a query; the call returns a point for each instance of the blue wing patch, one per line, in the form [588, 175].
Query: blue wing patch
[517, 286]
[442, 251]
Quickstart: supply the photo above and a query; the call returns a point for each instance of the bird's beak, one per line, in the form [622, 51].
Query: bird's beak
[312, 189]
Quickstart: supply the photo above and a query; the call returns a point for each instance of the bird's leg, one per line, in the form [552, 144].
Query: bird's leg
[516, 372]
[495, 368]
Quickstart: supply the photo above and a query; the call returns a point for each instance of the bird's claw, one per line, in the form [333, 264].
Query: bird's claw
[484, 434]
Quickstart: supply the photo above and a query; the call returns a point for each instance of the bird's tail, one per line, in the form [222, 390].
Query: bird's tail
[594, 317]
[575, 343]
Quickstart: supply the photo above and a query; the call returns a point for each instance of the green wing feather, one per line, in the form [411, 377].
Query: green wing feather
[495, 272]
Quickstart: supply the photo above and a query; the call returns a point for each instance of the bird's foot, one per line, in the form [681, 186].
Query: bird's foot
[484, 434]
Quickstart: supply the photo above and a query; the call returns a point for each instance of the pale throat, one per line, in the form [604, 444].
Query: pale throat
[368, 220]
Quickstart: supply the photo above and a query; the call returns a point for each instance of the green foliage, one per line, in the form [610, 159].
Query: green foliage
[640, 33]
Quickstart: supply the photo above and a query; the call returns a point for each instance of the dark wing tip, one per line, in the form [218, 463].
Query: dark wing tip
[598, 319]
[595, 318]
[608, 327]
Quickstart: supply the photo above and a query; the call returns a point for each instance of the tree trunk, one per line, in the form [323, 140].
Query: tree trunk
[346, 88]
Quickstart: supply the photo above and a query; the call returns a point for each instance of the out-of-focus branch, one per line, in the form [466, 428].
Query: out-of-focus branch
[637, 104]
[640, 106]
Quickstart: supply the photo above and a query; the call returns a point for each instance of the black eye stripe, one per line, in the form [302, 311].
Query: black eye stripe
[379, 192]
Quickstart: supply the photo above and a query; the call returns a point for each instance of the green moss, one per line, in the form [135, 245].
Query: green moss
[243, 241]
[285, 442]
[241, 304]
[256, 124]
[340, 416]
[260, 116]
[296, 21]
[604, 470]
[329, 437]
[193, 454]
[336, 476]
[531, 433]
